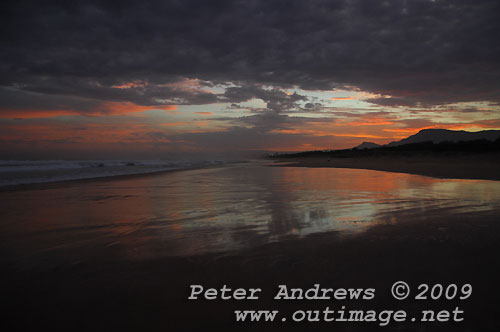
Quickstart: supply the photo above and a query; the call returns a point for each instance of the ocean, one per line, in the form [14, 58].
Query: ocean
[17, 172]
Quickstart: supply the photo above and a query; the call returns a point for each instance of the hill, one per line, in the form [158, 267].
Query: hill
[445, 135]
[367, 145]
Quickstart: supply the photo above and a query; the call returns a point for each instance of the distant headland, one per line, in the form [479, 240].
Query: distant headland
[433, 152]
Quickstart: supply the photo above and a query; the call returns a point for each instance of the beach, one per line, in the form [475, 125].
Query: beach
[122, 253]
[452, 166]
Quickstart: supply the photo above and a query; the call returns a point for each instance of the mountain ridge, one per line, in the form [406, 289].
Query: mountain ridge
[436, 135]
[367, 145]
[446, 135]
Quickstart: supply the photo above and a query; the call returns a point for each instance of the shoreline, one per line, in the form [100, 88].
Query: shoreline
[60, 183]
[472, 167]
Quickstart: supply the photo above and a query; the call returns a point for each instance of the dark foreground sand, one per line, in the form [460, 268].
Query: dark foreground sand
[109, 293]
[151, 295]
[475, 166]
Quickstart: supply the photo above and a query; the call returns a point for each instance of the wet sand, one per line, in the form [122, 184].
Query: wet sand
[114, 269]
[152, 295]
[475, 166]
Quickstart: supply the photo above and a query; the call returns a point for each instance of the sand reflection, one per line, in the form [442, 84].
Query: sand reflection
[223, 209]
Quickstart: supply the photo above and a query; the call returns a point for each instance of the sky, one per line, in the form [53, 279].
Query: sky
[152, 79]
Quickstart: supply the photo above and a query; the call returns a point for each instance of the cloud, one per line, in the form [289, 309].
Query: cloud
[102, 58]
[20, 104]
[276, 99]
[430, 52]
[343, 98]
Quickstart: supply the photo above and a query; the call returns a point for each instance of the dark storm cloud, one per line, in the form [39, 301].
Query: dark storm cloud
[275, 99]
[142, 93]
[421, 52]
[395, 102]
[13, 99]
